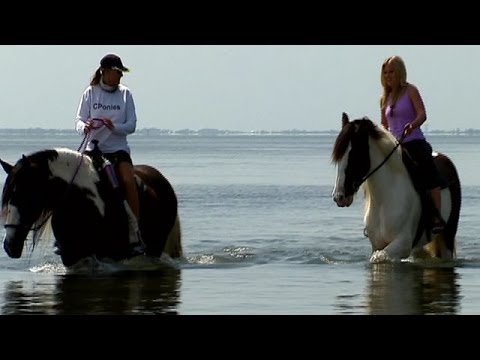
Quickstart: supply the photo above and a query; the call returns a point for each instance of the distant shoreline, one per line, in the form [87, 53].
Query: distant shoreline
[147, 132]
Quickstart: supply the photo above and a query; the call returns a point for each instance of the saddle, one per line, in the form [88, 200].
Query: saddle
[106, 171]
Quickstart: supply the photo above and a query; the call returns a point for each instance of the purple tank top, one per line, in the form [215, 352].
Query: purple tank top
[403, 113]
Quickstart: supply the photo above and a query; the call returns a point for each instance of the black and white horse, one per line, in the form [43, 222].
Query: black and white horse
[61, 187]
[397, 216]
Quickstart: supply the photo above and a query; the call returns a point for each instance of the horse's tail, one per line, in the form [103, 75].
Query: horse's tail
[456, 199]
[448, 170]
[173, 246]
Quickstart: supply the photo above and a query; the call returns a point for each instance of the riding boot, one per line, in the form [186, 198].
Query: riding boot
[137, 246]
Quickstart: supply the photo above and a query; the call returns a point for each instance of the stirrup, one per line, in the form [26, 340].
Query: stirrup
[438, 226]
[138, 247]
[56, 249]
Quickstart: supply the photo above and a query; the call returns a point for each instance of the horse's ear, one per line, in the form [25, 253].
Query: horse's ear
[345, 119]
[25, 160]
[6, 166]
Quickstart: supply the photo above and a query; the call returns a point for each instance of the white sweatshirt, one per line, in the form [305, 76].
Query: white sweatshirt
[117, 106]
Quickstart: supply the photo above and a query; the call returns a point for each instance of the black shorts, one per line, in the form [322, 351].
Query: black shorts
[421, 153]
[117, 157]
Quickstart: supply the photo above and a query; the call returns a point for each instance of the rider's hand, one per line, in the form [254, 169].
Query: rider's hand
[97, 123]
[88, 126]
[407, 130]
[108, 123]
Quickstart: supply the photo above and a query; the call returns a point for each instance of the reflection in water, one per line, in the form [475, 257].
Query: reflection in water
[412, 289]
[146, 292]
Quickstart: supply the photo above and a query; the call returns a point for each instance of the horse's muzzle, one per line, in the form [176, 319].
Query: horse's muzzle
[13, 242]
[342, 201]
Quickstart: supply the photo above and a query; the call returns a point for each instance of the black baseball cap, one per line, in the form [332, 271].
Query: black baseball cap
[112, 61]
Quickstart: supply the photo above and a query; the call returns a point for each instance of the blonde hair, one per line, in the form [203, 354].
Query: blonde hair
[400, 74]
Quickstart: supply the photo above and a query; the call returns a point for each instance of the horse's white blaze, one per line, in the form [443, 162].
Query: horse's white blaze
[67, 164]
[339, 189]
[12, 216]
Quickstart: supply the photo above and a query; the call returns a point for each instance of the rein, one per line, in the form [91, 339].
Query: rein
[88, 135]
[399, 142]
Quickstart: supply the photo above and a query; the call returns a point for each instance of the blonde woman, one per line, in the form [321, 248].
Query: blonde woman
[403, 113]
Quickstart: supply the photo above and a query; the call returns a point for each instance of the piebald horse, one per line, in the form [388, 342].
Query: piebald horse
[61, 187]
[397, 216]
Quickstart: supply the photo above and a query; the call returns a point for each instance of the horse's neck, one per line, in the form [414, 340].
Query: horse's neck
[78, 171]
[391, 183]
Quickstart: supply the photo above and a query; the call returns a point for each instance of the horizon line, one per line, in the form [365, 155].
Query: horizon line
[216, 130]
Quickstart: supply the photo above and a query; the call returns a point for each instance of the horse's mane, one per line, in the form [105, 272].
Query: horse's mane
[61, 167]
[364, 127]
[386, 143]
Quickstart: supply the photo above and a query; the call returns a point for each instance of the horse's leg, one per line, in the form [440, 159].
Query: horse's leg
[437, 248]
[441, 246]
[173, 246]
[401, 247]
[392, 234]
[396, 250]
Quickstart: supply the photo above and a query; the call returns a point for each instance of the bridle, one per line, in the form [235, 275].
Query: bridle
[364, 178]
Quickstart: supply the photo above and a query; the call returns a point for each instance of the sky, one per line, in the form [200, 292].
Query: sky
[239, 87]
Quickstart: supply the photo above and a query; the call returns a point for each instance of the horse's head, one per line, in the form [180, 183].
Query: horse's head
[23, 200]
[351, 157]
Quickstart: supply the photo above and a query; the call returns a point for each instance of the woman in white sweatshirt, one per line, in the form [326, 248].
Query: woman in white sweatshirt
[106, 114]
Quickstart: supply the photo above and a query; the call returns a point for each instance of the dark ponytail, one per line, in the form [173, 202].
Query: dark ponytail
[96, 77]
